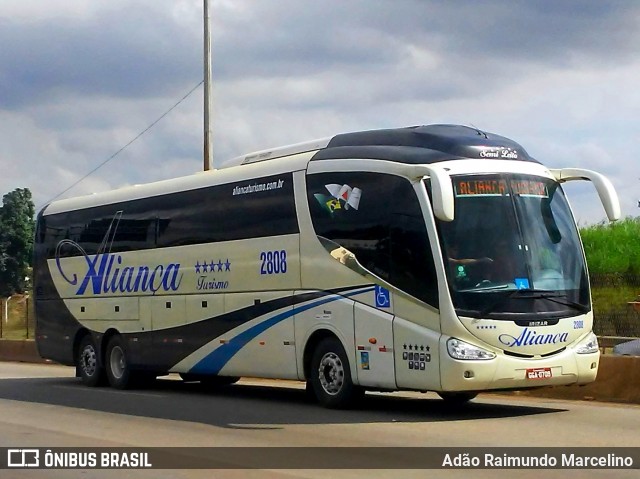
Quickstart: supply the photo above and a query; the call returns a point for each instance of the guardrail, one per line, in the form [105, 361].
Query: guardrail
[607, 343]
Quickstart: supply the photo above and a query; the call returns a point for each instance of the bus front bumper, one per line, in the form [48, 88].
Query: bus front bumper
[507, 372]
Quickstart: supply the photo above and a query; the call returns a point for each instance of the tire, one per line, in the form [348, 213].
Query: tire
[457, 398]
[330, 376]
[89, 364]
[116, 364]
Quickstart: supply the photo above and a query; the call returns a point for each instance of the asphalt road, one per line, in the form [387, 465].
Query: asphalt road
[45, 406]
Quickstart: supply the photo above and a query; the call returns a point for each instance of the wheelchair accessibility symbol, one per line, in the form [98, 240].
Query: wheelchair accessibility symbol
[383, 298]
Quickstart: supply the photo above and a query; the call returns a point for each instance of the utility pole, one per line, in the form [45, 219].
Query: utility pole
[208, 151]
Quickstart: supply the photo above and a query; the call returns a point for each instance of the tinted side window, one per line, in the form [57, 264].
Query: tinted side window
[248, 209]
[51, 230]
[378, 218]
[118, 230]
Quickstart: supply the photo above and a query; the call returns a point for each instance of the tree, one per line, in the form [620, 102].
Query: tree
[16, 240]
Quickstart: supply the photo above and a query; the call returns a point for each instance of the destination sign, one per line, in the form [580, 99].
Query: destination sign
[529, 188]
[484, 186]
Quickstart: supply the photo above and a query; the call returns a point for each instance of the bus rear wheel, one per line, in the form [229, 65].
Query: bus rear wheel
[89, 366]
[330, 376]
[117, 366]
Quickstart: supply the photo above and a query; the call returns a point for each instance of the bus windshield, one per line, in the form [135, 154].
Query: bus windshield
[513, 250]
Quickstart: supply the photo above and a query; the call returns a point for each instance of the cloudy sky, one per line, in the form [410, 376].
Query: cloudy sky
[79, 79]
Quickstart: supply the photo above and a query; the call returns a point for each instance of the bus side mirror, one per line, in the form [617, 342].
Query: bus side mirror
[343, 256]
[605, 189]
[441, 188]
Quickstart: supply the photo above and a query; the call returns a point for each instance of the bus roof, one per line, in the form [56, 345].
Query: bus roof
[413, 145]
[423, 144]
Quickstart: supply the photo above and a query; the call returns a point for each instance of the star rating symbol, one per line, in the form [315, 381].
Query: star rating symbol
[415, 347]
[212, 266]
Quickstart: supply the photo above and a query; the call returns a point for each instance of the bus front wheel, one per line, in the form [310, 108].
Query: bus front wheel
[457, 398]
[117, 366]
[89, 366]
[330, 376]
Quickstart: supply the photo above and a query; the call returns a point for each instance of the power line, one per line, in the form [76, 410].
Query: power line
[125, 146]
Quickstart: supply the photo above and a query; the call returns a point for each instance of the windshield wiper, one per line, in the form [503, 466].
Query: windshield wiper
[553, 296]
[481, 289]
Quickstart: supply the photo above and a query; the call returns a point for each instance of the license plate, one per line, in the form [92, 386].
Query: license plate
[539, 373]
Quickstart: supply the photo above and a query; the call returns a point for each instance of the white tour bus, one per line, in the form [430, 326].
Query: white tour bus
[431, 258]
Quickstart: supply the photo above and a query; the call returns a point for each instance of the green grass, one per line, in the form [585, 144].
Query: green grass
[613, 257]
[613, 247]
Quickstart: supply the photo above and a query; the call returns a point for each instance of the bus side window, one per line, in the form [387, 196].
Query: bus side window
[385, 231]
[362, 227]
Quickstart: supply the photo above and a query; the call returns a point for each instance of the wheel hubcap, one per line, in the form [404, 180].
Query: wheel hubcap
[331, 373]
[117, 362]
[88, 360]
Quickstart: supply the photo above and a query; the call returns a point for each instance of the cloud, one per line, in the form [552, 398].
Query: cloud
[312, 36]
[122, 49]
[81, 78]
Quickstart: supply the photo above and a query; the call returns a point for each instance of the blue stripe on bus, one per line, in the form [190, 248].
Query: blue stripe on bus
[216, 360]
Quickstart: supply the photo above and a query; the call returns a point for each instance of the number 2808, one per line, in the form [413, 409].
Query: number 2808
[273, 262]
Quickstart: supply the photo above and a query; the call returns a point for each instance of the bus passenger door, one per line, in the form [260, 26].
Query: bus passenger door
[417, 356]
[374, 347]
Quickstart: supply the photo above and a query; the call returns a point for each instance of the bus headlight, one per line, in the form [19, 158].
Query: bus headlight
[589, 346]
[461, 350]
